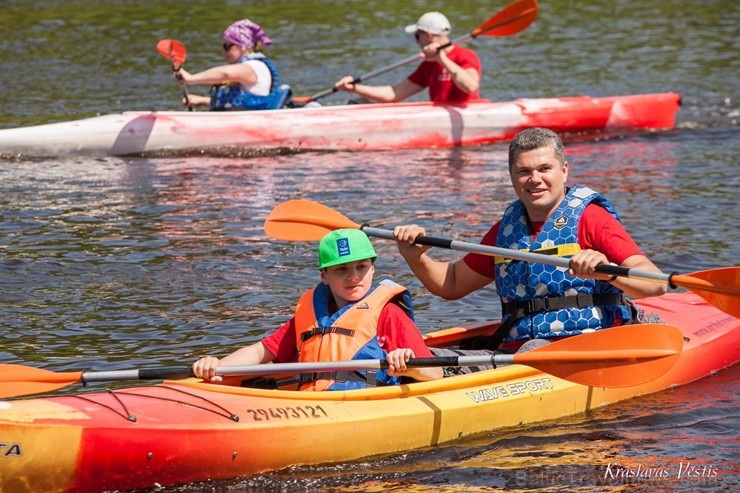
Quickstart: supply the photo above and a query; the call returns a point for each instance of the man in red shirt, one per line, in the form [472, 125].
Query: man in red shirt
[452, 73]
[539, 301]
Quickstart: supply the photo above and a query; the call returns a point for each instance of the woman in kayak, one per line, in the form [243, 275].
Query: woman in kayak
[541, 302]
[452, 73]
[344, 317]
[250, 80]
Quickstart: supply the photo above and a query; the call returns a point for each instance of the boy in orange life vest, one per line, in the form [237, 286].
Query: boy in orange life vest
[344, 317]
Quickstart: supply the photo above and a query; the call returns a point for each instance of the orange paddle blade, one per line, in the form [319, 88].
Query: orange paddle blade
[511, 20]
[617, 357]
[173, 51]
[304, 220]
[18, 380]
[714, 285]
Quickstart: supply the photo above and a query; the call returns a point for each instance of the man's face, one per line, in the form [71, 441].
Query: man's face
[423, 38]
[539, 180]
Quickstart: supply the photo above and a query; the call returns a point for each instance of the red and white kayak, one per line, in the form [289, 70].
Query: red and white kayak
[185, 431]
[347, 127]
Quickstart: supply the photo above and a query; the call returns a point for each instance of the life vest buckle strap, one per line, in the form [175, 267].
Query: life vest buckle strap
[548, 303]
[326, 330]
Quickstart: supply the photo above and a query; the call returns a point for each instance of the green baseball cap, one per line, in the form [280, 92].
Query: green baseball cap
[343, 246]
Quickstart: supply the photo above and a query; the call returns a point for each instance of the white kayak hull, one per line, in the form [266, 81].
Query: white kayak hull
[348, 127]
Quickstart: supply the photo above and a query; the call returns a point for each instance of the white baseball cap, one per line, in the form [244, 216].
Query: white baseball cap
[432, 23]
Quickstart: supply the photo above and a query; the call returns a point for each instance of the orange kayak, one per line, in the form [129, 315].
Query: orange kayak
[186, 430]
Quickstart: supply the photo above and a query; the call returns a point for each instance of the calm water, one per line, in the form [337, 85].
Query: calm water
[124, 263]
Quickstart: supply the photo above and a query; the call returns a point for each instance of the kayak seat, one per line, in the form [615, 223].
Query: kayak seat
[461, 370]
[284, 94]
[461, 351]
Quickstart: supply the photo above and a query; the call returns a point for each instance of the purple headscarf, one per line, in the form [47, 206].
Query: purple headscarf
[246, 34]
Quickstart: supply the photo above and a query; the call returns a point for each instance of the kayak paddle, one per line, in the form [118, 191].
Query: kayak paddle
[616, 357]
[510, 20]
[305, 220]
[175, 52]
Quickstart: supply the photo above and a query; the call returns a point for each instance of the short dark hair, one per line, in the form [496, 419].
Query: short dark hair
[535, 138]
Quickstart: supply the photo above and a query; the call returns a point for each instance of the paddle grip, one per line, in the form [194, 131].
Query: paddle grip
[164, 373]
[143, 374]
[333, 90]
[434, 241]
[614, 270]
[429, 362]
[442, 361]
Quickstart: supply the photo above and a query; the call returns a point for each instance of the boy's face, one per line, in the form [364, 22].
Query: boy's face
[349, 282]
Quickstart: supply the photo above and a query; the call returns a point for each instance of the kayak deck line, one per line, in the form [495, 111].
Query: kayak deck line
[390, 392]
[118, 398]
[356, 127]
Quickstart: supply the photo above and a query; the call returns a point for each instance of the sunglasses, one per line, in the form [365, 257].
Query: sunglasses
[227, 46]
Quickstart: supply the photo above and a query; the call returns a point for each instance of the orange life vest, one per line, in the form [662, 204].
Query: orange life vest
[350, 333]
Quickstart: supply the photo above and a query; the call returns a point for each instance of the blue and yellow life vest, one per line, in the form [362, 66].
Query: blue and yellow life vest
[545, 301]
[350, 333]
[232, 96]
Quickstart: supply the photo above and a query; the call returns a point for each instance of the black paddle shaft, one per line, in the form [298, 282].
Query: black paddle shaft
[540, 258]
